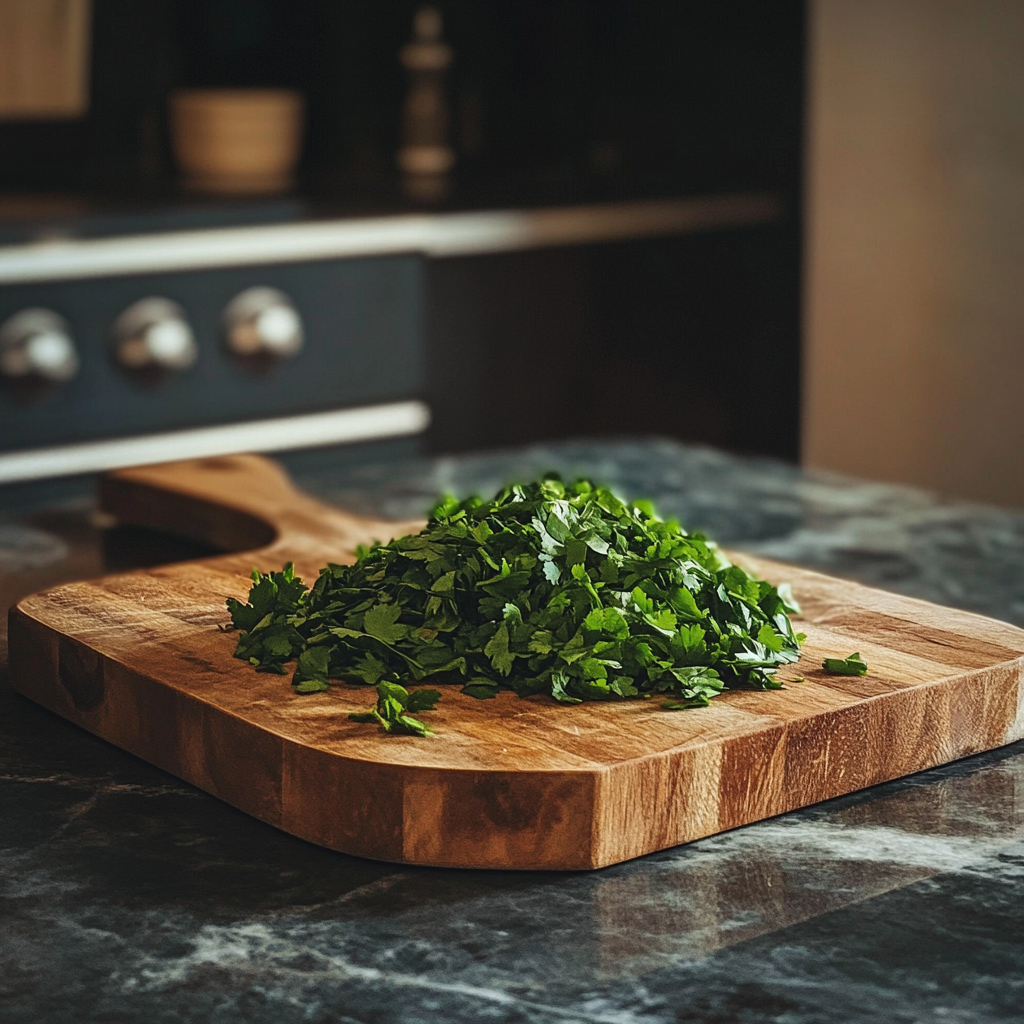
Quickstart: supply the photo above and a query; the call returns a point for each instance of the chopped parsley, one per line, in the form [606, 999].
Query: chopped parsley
[548, 588]
[392, 709]
[854, 665]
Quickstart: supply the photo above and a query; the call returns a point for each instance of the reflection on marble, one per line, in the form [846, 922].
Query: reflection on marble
[127, 896]
[24, 547]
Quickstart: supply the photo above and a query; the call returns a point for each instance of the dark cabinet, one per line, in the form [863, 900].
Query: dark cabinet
[693, 337]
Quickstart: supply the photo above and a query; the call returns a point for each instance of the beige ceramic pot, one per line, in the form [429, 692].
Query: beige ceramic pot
[241, 141]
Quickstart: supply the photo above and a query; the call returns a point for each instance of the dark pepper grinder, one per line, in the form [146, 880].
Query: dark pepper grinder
[425, 157]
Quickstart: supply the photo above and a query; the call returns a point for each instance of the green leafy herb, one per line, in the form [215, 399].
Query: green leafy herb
[269, 621]
[548, 588]
[854, 665]
[392, 707]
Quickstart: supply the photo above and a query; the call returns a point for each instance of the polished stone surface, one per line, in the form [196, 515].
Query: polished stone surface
[126, 895]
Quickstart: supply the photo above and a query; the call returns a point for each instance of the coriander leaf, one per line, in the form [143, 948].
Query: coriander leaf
[497, 650]
[409, 725]
[559, 683]
[854, 665]
[312, 686]
[699, 700]
[311, 674]
[381, 622]
[789, 602]
[623, 686]
[390, 710]
[423, 700]
[480, 689]
[769, 638]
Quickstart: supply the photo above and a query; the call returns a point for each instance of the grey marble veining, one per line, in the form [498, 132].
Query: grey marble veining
[126, 895]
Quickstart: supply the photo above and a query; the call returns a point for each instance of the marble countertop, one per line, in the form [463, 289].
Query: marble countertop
[126, 895]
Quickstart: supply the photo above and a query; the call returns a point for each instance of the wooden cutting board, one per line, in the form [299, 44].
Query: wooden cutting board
[138, 659]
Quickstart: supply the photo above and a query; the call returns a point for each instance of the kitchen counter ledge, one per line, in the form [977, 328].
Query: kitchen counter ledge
[127, 895]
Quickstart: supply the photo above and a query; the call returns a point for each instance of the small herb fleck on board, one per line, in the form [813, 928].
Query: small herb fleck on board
[854, 665]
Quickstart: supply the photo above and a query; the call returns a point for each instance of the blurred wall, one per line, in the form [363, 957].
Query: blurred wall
[914, 315]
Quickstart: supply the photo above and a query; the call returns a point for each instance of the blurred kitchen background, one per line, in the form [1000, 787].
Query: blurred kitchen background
[789, 229]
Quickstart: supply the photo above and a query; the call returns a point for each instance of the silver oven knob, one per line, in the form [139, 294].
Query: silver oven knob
[153, 334]
[36, 343]
[262, 322]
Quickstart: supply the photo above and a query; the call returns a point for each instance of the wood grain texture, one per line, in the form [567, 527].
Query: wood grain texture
[139, 659]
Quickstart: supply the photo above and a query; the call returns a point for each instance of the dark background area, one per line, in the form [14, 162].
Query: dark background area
[694, 337]
[553, 102]
[550, 99]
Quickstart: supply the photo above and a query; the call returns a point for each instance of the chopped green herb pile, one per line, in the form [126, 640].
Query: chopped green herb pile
[547, 588]
[854, 665]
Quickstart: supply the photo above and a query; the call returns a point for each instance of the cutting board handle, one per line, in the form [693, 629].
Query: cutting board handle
[239, 503]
